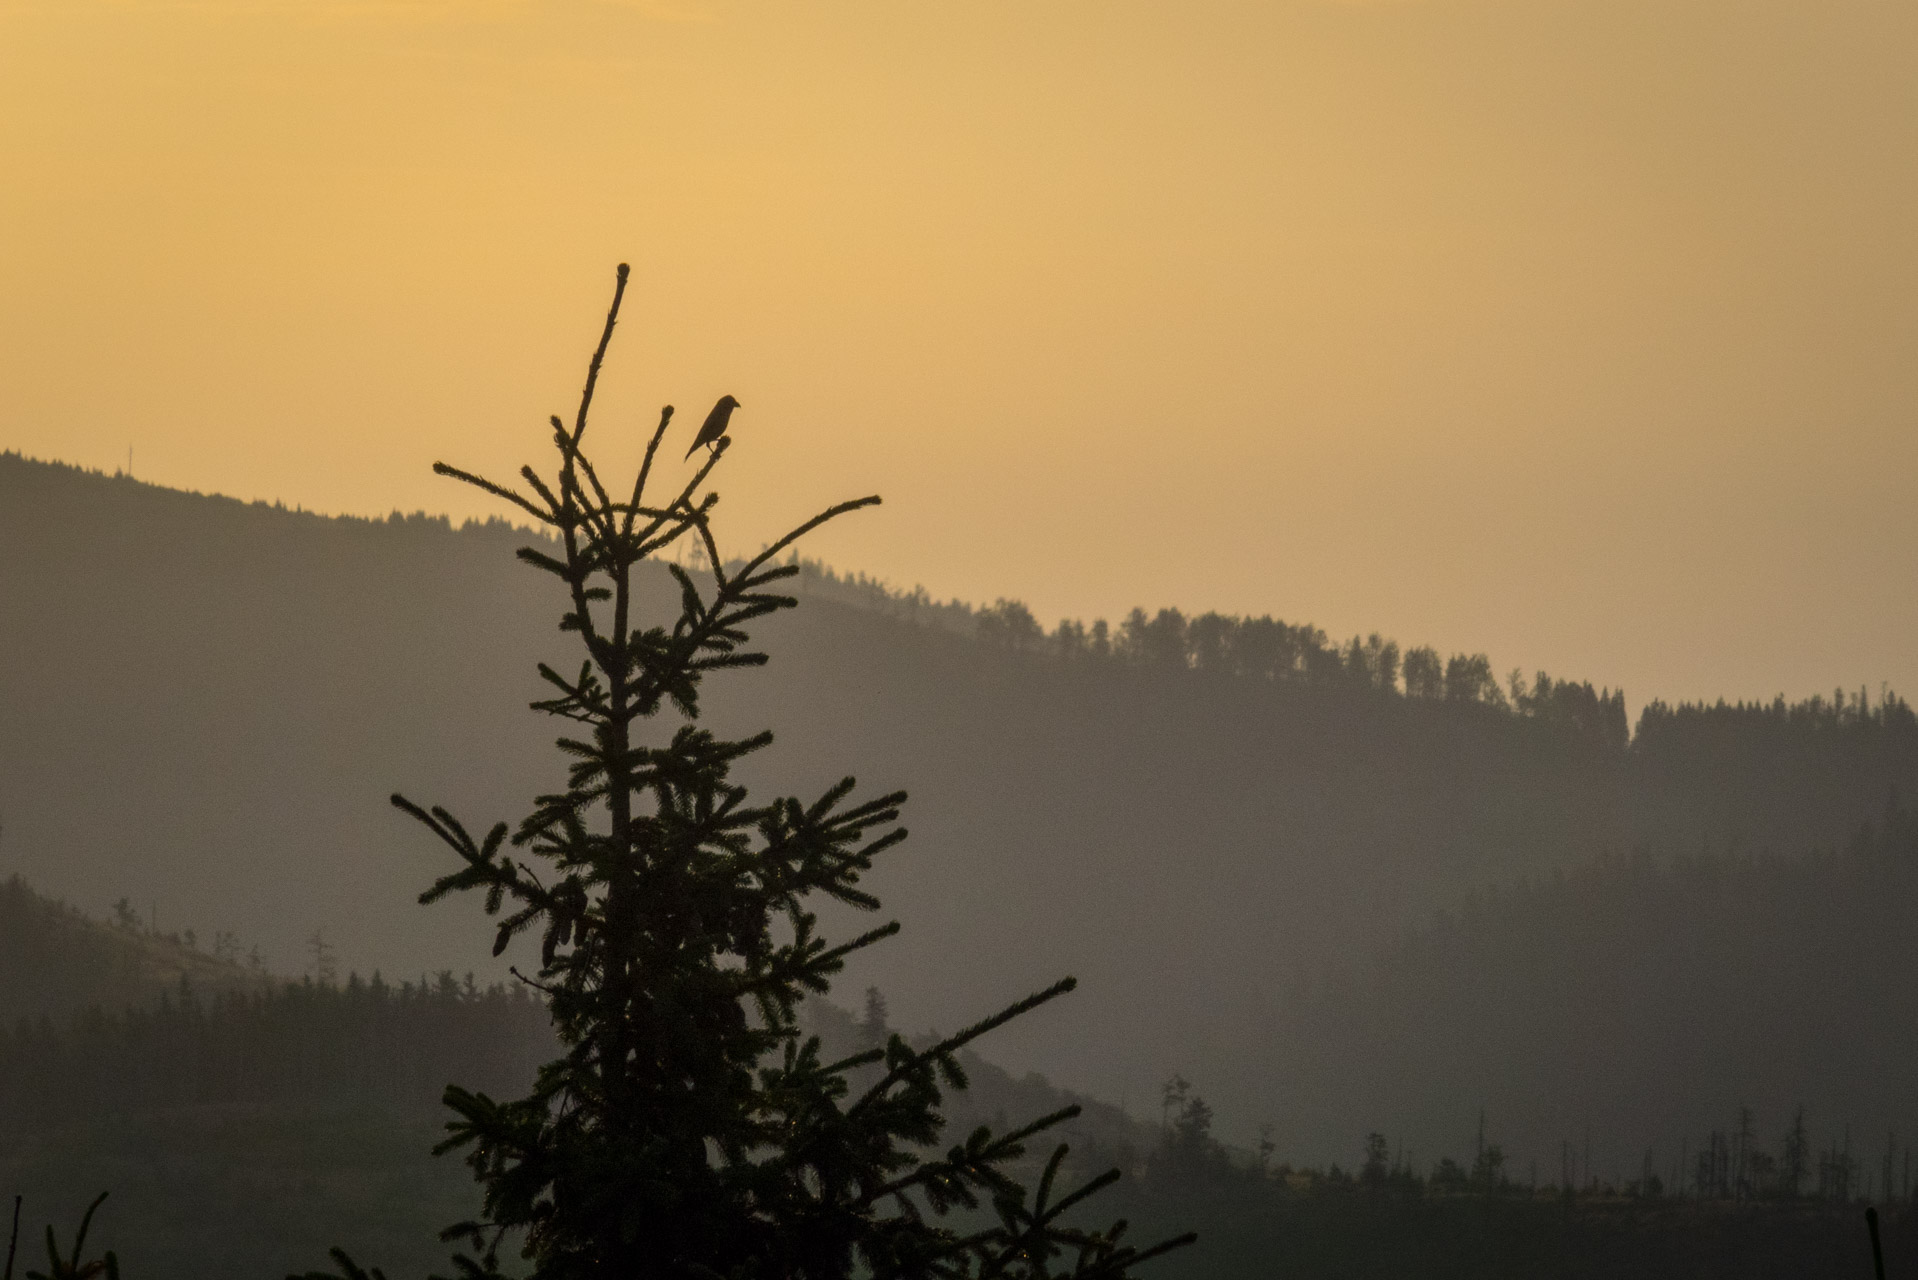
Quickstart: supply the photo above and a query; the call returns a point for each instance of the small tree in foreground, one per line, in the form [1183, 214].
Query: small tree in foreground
[690, 1129]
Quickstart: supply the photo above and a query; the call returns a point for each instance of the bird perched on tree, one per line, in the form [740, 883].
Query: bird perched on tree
[716, 421]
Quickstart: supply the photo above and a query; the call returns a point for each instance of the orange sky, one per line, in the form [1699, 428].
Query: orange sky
[1579, 331]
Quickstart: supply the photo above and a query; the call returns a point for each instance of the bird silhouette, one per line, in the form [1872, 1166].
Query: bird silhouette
[715, 425]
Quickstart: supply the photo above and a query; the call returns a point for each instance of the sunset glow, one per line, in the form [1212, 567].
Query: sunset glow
[1578, 332]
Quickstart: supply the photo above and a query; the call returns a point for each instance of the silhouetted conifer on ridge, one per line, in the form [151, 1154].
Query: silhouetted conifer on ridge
[689, 1129]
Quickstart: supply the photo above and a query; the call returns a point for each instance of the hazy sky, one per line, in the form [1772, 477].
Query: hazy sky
[1580, 331]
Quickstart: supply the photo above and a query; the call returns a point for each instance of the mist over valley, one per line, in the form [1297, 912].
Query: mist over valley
[1334, 905]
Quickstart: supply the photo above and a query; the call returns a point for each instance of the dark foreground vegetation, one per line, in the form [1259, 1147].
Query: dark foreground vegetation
[1353, 1236]
[246, 1129]
[244, 1135]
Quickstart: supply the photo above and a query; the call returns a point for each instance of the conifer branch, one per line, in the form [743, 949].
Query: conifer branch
[498, 491]
[944, 1049]
[831, 513]
[599, 352]
[646, 468]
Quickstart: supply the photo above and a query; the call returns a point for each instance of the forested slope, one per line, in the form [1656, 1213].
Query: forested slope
[204, 704]
[55, 960]
[1631, 1006]
[245, 1126]
[243, 1132]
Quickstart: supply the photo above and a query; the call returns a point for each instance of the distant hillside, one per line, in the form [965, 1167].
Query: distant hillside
[205, 703]
[1630, 1004]
[55, 960]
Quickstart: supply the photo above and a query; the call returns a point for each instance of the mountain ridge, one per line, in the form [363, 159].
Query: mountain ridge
[206, 703]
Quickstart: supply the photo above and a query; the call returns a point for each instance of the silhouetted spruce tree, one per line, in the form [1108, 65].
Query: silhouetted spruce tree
[690, 1129]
